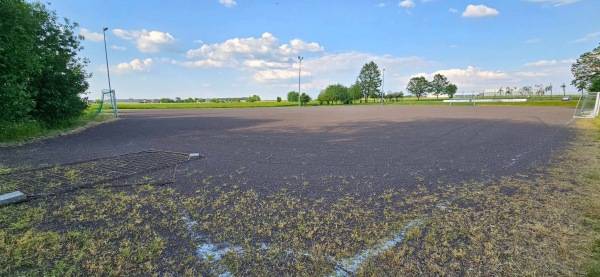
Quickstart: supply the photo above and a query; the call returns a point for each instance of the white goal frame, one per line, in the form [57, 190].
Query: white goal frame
[582, 109]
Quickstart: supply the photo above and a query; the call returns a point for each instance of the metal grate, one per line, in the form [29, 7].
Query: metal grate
[61, 178]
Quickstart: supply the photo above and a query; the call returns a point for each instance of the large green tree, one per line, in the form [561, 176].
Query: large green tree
[254, 98]
[418, 86]
[336, 93]
[355, 92]
[41, 76]
[451, 90]
[292, 96]
[325, 97]
[305, 98]
[439, 85]
[369, 80]
[586, 69]
[18, 61]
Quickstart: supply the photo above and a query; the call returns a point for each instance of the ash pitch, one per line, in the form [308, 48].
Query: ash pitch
[364, 148]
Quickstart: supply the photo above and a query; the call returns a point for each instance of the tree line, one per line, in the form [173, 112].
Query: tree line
[368, 85]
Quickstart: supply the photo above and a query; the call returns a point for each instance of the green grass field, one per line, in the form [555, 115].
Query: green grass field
[409, 101]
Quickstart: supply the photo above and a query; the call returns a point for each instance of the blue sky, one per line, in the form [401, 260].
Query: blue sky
[227, 48]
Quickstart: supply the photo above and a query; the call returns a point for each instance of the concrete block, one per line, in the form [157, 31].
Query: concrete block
[13, 197]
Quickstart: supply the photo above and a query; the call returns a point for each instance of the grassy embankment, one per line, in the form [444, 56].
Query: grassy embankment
[15, 133]
[546, 224]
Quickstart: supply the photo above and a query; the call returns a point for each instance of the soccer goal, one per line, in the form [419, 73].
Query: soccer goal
[111, 98]
[587, 105]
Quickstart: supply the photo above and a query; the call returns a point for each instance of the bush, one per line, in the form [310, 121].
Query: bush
[42, 78]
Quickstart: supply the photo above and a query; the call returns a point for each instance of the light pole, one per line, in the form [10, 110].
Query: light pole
[113, 97]
[106, 55]
[299, 73]
[382, 86]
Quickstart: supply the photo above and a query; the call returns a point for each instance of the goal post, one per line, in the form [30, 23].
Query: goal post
[588, 105]
[112, 99]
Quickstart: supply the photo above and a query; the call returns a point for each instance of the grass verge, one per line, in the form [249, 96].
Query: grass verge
[546, 224]
[12, 134]
[534, 101]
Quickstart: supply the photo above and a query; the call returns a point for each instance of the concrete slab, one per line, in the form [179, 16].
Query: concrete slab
[11, 198]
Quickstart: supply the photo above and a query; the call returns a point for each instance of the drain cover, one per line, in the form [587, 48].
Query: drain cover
[60, 178]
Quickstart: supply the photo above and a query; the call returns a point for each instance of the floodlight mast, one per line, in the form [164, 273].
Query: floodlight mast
[299, 74]
[113, 96]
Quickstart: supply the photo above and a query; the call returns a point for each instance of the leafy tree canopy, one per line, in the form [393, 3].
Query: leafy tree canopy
[305, 98]
[41, 76]
[254, 98]
[355, 91]
[595, 87]
[336, 93]
[369, 80]
[292, 96]
[418, 86]
[451, 90]
[439, 84]
[586, 69]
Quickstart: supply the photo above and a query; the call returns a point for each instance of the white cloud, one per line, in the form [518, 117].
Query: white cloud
[555, 2]
[228, 3]
[569, 61]
[587, 37]
[265, 64]
[278, 74]
[200, 63]
[472, 71]
[120, 48]
[148, 41]
[470, 77]
[353, 61]
[475, 11]
[136, 65]
[380, 5]
[330, 68]
[407, 4]
[541, 63]
[267, 49]
[453, 10]
[531, 74]
[89, 35]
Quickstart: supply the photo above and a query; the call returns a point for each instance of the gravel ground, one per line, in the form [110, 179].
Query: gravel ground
[371, 148]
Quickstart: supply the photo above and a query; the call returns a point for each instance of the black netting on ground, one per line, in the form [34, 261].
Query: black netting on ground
[60, 178]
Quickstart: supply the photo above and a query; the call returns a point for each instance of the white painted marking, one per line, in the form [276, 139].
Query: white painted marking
[349, 267]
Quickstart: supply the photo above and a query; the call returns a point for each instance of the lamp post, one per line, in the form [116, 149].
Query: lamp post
[113, 97]
[382, 86]
[106, 55]
[299, 73]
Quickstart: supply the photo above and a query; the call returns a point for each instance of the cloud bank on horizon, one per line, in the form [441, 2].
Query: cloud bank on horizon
[237, 48]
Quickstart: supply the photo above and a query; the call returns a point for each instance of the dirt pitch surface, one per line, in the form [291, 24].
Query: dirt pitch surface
[388, 146]
[328, 191]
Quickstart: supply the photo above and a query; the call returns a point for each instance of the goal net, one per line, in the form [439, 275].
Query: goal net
[588, 105]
